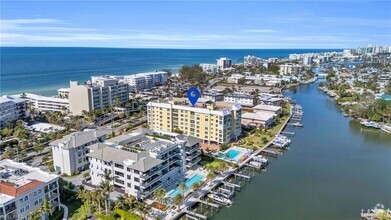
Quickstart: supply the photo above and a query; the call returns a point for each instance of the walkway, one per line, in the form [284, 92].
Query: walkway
[65, 208]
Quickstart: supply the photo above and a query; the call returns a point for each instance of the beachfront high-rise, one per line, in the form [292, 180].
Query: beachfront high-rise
[217, 124]
[12, 108]
[101, 92]
[144, 81]
[224, 63]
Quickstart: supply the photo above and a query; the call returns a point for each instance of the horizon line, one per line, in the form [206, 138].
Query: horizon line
[165, 48]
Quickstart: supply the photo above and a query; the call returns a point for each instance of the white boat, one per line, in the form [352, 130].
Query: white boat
[219, 198]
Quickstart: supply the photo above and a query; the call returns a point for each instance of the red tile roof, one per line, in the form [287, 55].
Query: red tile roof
[13, 190]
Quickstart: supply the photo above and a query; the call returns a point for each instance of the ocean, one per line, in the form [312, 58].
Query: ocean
[43, 70]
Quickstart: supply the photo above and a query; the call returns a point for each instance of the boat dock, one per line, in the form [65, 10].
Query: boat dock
[242, 176]
[208, 203]
[195, 215]
[269, 152]
[233, 185]
[288, 133]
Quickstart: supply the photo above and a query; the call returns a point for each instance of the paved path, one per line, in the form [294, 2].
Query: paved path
[65, 216]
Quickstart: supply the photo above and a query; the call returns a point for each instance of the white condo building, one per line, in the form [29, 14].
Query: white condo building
[44, 103]
[140, 164]
[209, 68]
[290, 69]
[241, 99]
[224, 63]
[101, 92]
[69, 152]
[23, 189]
[144, 81]
[12, 108]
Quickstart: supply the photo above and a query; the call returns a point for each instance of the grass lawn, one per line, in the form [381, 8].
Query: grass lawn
[73, 208]
[256, 138]
[210, 161]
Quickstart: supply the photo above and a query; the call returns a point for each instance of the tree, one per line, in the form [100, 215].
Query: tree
[46, 208]
[38, 147]
[210, 176]
[183, 188]
[9, 153]
[36, 215]
[160, 195]
[106, 188]
[143, 208]
[264, 140]
[196, 186]
[177, 200]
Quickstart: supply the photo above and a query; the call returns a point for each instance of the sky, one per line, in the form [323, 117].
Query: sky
[196, 24]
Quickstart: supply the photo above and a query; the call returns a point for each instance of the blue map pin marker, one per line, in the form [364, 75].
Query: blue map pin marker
[193, 94]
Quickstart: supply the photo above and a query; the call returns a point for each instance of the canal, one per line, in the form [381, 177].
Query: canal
[333, 169]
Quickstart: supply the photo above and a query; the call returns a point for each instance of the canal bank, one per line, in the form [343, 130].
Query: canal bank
[333, 169]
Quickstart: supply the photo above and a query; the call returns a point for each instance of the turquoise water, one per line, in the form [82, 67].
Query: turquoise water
[386, 97]
[231, 154]
[189, 182]
[43, 70]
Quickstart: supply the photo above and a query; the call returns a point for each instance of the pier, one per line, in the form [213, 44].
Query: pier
[233, 185]
[253, 166]
[269, 152]
[195, 214]
[288, 133]
[208, 203]
[242, 176]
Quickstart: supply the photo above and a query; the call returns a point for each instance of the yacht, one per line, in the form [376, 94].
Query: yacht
[219, 198]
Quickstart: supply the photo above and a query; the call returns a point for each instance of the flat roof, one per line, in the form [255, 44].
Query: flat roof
[260, 116]
[19, 178]
[267, 107]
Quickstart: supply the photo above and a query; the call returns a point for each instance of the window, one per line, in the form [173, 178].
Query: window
[40, 191]
[136, 179]
[21, 210]
[36, 202]
[40, 200]
[27, 207]
[26, 198]
[20, 201]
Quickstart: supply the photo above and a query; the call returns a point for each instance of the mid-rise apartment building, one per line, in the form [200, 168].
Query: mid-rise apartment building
[242, 99]
[44, 103]
[213, 96]
[140, 164]
[290, 69]
[224, 63]
[209, 68]
[12, 108]
[23, 189]
[69, 152]
[144, 81]
[99, 93]
[218, 124]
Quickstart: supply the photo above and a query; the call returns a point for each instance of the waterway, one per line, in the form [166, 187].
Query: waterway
[333, 169]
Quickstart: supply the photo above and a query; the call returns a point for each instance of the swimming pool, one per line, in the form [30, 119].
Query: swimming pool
[231, 154]
[189, 182]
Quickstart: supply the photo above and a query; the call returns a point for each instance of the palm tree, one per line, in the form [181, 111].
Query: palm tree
[120, 203]
[35, 215]
[143, 209]
[182, 187]
[160, 195]
[130, 201]
[210, 176]
[98, 197]
[196, 186]
[177, 200]
[106, 188]
[46, 208]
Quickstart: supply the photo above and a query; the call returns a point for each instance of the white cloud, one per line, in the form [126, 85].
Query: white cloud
[261, 31]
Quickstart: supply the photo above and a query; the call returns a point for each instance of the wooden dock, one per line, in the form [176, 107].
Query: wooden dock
[195, 214]
[269, 152]
[243, 176]
[288, 133]
[234, 185]
[208, 203]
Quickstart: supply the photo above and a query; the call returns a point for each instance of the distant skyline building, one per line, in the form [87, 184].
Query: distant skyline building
[224, 62]
[143, 81]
